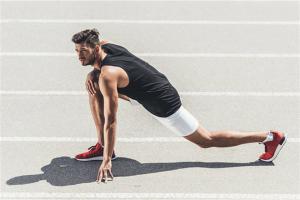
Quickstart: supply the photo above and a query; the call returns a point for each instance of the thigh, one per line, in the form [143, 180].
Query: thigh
[182, 122]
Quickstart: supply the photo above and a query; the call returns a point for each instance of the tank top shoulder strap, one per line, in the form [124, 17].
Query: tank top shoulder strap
[115, 53]
[114, 50]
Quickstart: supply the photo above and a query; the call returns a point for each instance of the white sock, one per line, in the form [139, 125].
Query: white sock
[269, 138]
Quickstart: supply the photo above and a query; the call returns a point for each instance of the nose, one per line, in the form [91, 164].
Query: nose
[79, 55]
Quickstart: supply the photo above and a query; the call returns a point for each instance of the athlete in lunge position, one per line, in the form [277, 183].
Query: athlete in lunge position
[118, 73]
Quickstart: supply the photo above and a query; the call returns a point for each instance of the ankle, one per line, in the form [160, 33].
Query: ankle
[268, 138]
[100, 143]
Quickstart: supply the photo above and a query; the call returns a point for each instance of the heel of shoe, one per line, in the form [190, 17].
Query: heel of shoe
[283, 140]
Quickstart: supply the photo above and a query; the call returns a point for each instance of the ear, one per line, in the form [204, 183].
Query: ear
[97, 48]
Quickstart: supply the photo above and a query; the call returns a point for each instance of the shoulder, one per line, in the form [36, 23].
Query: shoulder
[109, 73]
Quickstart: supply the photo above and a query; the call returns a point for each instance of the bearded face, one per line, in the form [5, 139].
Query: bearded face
[86, 54]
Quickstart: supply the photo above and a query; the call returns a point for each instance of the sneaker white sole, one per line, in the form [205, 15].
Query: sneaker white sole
[278, 149]
[94, 158]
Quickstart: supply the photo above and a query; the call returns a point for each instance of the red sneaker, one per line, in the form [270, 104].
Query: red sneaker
[95, 153]
[272, 148]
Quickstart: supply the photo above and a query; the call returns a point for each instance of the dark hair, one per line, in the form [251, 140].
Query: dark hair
[88, 36]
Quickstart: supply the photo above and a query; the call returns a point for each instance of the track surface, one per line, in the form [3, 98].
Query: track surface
[235, 64]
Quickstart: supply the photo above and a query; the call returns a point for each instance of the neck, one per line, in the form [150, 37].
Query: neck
[99, 58]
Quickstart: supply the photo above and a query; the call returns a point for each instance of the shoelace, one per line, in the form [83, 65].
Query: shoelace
[92, 147]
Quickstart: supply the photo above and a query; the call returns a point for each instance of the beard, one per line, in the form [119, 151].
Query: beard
[90, 61]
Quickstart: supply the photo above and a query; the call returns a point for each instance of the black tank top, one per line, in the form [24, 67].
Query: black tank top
[146, 84]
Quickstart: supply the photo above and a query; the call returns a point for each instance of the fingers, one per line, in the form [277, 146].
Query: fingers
[87, 85]
[90, 87]
[100, 176]
[108, 176]
[103, 176]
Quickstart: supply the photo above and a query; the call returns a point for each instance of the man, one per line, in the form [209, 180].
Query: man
[118, 73]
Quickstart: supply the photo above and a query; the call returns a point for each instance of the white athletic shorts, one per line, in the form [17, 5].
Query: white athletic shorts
[182, 122]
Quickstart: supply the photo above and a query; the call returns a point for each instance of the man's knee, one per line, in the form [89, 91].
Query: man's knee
[207, 141]
[205, 144]
[202, 138]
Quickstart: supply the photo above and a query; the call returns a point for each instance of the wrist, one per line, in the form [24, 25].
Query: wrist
[106, 159]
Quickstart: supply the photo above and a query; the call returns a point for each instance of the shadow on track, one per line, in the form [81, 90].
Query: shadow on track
[64, 171]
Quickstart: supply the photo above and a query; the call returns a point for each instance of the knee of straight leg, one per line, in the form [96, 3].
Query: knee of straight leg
[204, 145]
[206, 142]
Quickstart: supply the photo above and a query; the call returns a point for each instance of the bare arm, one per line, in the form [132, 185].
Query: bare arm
[108, 82]
[108, 87]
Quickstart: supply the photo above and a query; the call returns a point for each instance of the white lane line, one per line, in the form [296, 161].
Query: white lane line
[23, 195]
[220, 55]
[90, 139]
[170, 22]
[176, 55]
[42, 93]
[49, 54]
[83, 93]
[249, 1]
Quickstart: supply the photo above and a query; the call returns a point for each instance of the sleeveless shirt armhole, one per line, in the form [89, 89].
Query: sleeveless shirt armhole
[128, 74]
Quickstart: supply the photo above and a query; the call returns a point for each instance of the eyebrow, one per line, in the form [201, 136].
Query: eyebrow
[82, 48]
